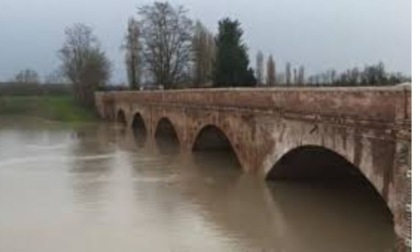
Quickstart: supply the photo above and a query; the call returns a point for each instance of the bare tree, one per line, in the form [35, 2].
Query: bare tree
[355, 76]
[54, 77]
[325, 78]
[295, 75]
[204, 49]
[260, 68]
[374, 75]
[332, 74]
[281, 78]
[301, 75]
[271, 71]
[27, 76]
[288, 73]
[166, 39]
[84, 64]
[132, 47]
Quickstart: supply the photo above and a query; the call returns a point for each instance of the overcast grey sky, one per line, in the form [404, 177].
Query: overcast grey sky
[320, 34]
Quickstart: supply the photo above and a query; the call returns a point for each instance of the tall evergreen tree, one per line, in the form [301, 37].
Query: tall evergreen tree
[288, 73]
[260, 68]
[132, 46]
[271, 71]
[231, 64]
[203, 50]
[301, 76]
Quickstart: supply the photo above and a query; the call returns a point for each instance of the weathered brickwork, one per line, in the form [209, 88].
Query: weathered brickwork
[370, 127]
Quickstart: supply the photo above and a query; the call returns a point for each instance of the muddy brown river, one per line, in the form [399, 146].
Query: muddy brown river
[94, 188]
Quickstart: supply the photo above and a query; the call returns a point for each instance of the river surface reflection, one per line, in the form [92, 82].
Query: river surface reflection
[94, 188]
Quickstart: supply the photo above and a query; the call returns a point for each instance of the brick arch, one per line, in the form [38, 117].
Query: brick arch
[346, 156]
[170, 123]
[228, 134]
[141, 116]
[122, 116]
[318, 153]
[373, 157]
[297, 145]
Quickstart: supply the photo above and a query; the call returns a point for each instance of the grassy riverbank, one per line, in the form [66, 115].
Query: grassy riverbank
[55, 108]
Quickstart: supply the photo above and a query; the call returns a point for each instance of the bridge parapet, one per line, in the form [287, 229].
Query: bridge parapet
[379, 104]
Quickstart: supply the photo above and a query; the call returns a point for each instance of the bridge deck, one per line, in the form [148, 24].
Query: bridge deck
[382, 104]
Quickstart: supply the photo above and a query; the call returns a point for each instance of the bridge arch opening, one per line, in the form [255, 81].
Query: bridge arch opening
[166, 137]
[313, 162]
[211, 143]
[121, 117]
[320, 167]
[139, 129]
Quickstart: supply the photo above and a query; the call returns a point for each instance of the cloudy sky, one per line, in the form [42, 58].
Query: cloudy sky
[320, 34]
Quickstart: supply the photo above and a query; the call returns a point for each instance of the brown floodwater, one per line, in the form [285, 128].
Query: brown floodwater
[96, 188]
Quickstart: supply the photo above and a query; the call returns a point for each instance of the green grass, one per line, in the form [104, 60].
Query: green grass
[55, 108]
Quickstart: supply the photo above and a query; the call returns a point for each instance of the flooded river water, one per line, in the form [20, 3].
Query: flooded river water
[93, 188]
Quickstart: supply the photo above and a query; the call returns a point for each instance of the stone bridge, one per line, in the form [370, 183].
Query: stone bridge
[284, 133]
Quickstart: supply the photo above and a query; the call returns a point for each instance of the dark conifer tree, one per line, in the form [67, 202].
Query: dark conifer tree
[231, 63]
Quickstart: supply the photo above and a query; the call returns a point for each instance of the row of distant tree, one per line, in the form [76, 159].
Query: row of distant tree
[31, 76]
[370, 75]
[31, 88]
[163, 46]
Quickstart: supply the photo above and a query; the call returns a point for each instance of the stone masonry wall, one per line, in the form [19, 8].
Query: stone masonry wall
[370, 127]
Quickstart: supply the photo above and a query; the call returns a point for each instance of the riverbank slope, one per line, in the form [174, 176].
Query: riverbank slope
[50, 107]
